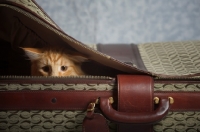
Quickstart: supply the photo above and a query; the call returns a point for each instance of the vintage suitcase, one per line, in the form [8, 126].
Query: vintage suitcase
[146, 87]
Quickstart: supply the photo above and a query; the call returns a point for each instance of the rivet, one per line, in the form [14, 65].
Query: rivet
[54, 100]
[111, 100]
[156, 100]
[171, 100]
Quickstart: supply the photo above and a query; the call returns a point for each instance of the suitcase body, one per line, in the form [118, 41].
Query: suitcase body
[157, 81]
[70, 119]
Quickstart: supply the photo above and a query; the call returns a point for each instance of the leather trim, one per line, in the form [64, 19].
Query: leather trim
[135, 95]
[127, 53]
[79, 100]
[183, 101]
[49, 100]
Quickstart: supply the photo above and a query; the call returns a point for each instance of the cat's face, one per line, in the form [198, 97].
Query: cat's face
[54, 63]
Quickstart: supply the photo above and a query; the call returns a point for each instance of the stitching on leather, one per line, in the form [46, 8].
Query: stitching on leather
[43, 108]
[172, 92]
[52, 91]
[119, 91]
[150, 92]
[50, 107]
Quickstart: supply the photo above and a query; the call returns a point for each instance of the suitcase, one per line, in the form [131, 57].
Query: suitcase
[146, 87]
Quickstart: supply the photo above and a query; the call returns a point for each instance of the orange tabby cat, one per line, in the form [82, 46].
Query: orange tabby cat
[54, 62]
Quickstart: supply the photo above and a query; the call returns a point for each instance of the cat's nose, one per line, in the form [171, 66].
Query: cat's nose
[54, 74]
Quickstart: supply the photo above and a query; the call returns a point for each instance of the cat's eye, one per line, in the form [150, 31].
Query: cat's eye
[46, 68]
[63, 68]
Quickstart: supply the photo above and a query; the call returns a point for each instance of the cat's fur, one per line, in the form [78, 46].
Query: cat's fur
[54, 62]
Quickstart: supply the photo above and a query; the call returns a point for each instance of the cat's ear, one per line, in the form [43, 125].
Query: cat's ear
[79, 58]
[33, 53]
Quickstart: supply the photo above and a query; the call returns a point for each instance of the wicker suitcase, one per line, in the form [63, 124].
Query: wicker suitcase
[155, 86]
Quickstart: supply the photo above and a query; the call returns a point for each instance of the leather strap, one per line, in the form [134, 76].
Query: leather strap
[135, 95]
[78, 100]
[49, 100]
[127, 53]
[183, 101]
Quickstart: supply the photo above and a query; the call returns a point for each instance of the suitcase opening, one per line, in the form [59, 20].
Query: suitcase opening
[15, 62]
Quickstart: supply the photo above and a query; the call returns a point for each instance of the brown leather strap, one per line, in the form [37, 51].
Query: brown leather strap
[127, 53]
[183, 101]
[78, 100]
[135, 95]
[49, 100]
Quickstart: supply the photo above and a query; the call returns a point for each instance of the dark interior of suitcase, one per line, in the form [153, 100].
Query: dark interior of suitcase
[20, 31]
[15, 62]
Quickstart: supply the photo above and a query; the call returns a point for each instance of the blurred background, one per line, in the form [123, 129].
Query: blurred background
[126, 21]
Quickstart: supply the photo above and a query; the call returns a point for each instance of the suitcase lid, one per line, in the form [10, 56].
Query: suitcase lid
[27, 22]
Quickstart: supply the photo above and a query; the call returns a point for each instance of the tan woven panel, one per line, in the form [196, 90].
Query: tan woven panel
[172, 58]
[34, 8]
[179, 122]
